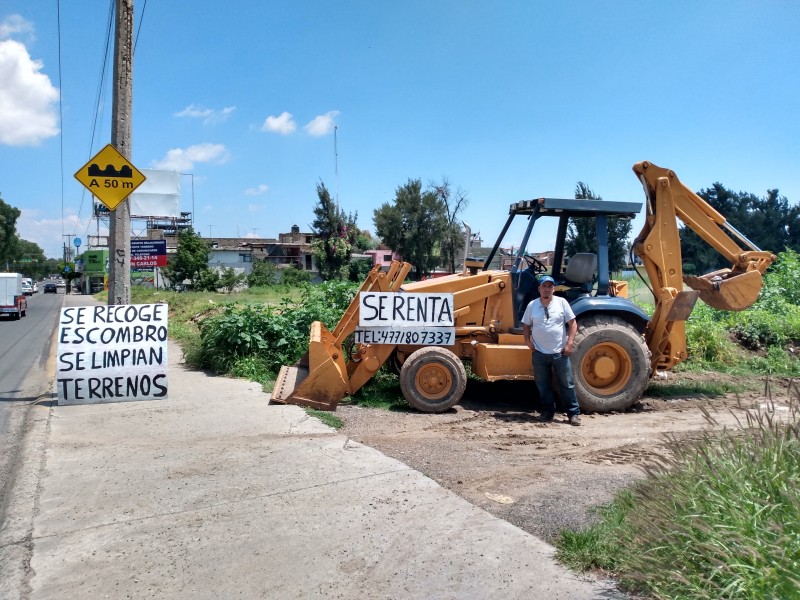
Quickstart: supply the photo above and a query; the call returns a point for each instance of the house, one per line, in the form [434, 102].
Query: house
[382, 255]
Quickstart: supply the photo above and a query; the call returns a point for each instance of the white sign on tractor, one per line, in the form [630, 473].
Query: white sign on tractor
[406, 318]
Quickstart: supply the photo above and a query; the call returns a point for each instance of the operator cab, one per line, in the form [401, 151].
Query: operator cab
[586, 273]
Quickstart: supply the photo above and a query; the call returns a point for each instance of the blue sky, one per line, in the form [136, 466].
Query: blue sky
[508, 100]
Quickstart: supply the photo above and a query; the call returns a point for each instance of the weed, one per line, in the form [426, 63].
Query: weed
[710, 389]
[328, 418]
[719, 518]
[382, 391]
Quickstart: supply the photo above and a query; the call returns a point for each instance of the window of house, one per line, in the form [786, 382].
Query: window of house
[246, 258]
[387, 258]
[308, 239]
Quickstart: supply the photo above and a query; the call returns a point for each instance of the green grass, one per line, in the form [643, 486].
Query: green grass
[382, 391]
[719, 518]
[710, 389]
[330, 419]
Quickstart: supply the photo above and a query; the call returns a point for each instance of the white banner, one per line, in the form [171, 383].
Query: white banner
[392, 309]
[158, 196]
[112, 353]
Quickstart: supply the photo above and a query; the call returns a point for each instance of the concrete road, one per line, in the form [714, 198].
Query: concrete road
[214, 493]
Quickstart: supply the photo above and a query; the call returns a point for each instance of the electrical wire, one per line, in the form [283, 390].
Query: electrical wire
[60, 116]
[141, 19]
[98, 103]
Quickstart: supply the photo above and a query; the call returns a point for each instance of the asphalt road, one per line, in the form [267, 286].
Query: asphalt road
[25, 347]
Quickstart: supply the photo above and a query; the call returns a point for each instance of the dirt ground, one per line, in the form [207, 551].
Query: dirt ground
[545, 477]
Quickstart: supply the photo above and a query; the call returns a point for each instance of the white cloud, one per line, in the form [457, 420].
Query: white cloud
[16, 24]
[282, 124]
[183, 159]
[208, 115]
[27, 98]
[322, 125]
[256, 191]
[38, 227]
[251, 236]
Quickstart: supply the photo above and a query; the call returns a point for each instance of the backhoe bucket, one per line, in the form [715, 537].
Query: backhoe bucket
[726, 289]
[319, 379]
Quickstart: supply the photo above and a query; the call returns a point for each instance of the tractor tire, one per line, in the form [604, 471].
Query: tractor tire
[393, 363]
[433, 379]
[611, 364]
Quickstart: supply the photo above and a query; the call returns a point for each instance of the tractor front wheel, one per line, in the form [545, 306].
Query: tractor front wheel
[611, 364]
[433, 379]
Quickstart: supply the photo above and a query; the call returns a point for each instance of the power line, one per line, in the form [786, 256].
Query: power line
[60, 114]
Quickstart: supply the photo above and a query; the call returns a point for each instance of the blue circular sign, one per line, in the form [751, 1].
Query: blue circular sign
[77, 242]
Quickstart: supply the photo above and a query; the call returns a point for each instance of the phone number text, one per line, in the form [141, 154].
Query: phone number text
[437, 336]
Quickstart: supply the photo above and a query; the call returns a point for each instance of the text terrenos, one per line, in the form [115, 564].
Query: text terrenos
[405, 309]
[104, 388]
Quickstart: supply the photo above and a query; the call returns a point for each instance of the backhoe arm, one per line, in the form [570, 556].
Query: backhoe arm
[658, 245]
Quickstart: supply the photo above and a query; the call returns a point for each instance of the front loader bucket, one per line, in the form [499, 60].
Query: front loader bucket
[726, 289]
[319, 379]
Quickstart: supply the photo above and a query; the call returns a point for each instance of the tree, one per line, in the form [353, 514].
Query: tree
[768, 222]
[230, 279]
[413, 226]
[335, 235]
[264, 274]
[582, 233]
[452, 244]
[294, 276]
[8, 233]
[191, 260]
[28, 259]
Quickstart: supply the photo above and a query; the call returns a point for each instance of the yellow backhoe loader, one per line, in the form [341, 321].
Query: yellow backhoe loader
[618, 346]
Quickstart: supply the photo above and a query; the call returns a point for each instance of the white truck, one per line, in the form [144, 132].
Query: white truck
[12, 301]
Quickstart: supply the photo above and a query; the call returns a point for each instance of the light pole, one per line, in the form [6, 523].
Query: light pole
[192, 176]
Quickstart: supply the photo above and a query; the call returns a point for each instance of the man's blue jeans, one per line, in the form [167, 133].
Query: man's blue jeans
[561, 366]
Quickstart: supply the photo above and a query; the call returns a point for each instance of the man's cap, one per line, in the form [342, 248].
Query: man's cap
[547, 279]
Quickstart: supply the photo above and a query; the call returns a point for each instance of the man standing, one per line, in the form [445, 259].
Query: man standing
[549, 328]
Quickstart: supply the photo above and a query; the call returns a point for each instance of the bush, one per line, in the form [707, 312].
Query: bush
[707, 339]
[264, 274]
[254, 339]
[358, 269]
[294, 276]
[782, 281]
[207, 281]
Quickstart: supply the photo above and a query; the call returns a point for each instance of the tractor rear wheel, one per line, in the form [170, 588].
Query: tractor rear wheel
[433, 379]
[611, 364]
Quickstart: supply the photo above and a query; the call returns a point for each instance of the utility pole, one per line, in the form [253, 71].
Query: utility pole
[119, 288]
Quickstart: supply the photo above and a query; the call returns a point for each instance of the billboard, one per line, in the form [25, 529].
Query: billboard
[158, 196]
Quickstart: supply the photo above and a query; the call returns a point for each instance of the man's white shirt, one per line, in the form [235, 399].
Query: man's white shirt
[549, 334]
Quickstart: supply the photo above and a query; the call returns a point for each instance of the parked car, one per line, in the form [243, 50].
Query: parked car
[61, 285]
[50, 288]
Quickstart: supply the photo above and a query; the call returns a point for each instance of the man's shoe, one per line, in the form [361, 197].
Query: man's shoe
[575, 420]
[545, 418]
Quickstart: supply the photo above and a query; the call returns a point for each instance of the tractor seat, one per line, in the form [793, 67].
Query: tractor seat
[579, 276]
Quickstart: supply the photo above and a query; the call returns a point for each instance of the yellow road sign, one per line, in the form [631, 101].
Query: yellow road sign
[110, 177]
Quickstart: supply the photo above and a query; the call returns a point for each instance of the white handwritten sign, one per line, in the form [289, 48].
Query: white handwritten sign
[382, 309]
[112, 353]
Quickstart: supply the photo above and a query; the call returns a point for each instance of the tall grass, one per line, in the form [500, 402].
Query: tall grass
[717, 518]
